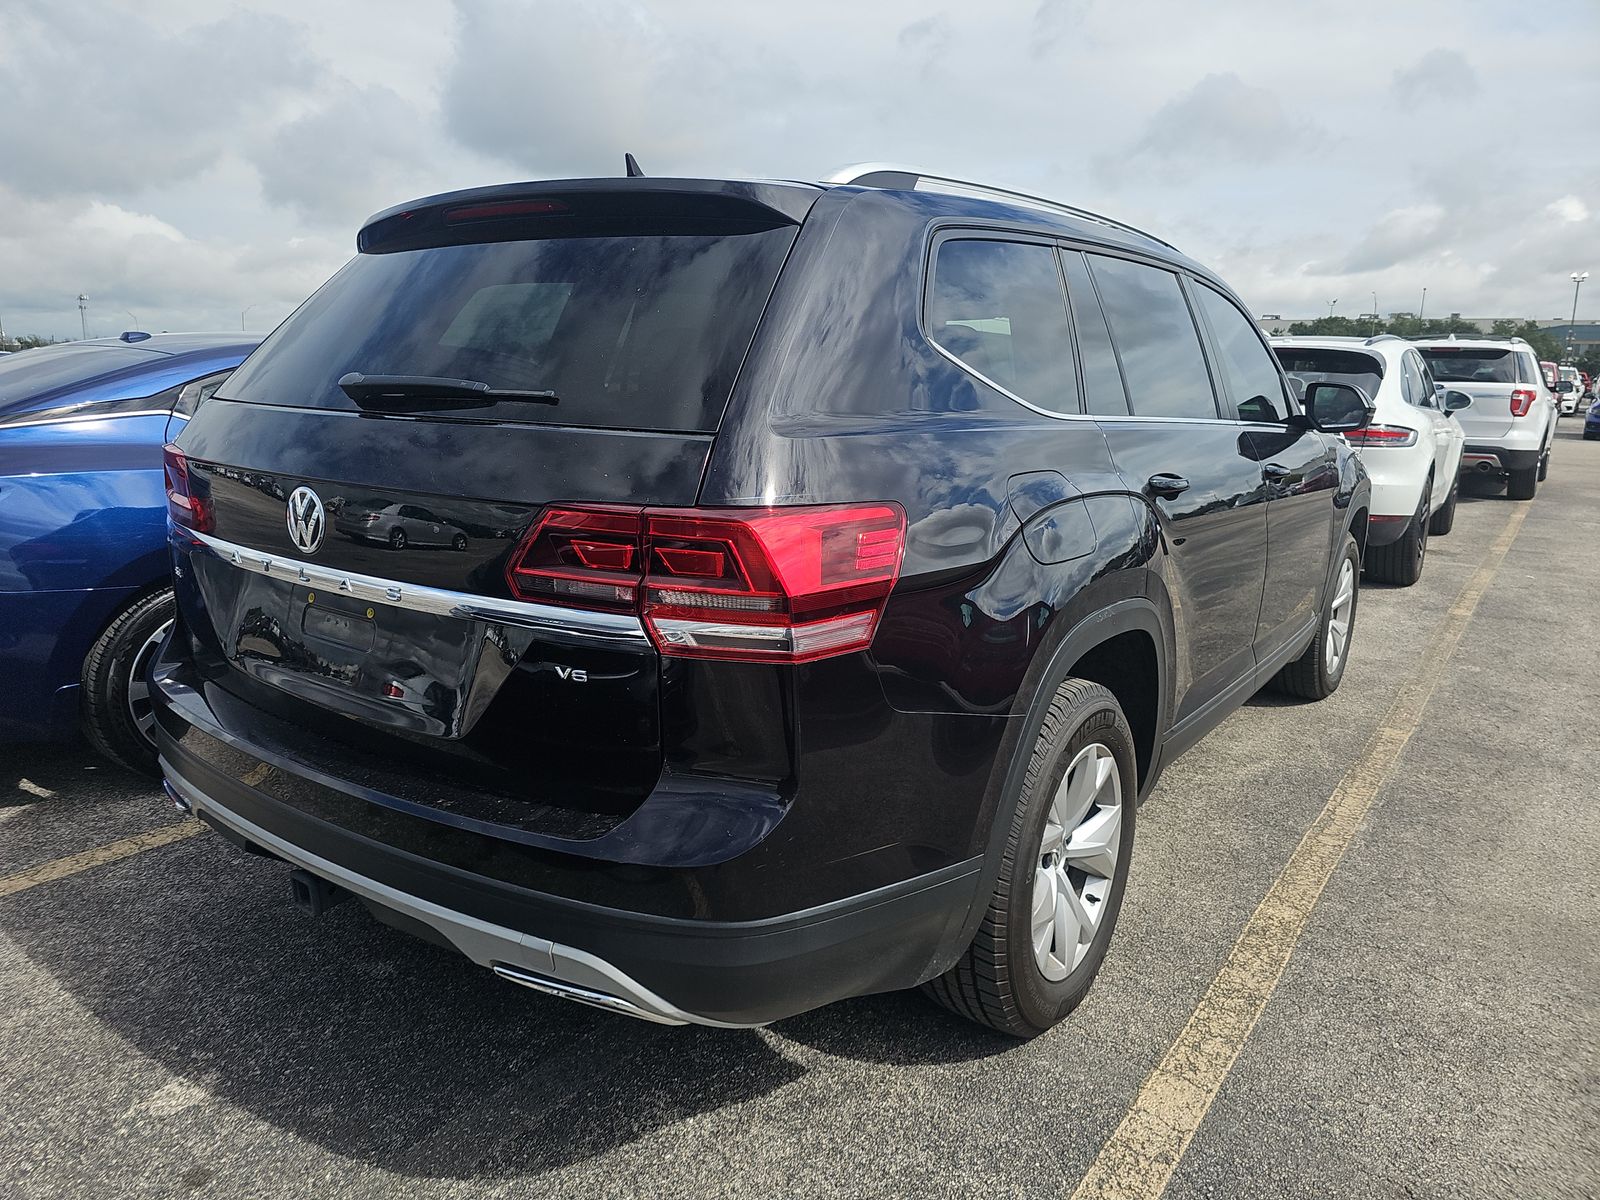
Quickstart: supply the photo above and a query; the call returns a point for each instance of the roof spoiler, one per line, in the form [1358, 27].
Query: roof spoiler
[579, 207]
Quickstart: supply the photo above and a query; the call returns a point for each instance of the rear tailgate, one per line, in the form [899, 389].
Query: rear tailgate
[1488, 375]
[349, 578]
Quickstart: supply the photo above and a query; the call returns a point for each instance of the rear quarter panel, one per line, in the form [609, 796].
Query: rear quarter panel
[82, 531]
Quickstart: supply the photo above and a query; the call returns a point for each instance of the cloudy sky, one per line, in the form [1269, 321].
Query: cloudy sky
[184, 162]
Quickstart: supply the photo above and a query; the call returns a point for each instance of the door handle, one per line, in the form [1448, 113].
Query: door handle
[1167, 486]
[1276, 472]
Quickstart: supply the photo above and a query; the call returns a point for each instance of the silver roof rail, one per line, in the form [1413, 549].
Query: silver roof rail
[910, 179]
[1384, 337]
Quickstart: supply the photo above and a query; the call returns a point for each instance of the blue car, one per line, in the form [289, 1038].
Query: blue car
[85, 594]
[1591, 423]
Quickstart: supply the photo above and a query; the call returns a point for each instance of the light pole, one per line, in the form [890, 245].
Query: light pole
[83, 315]
[132, 316]
[1577, 278]
[1424, 307]
[1331, 303]
[1374, 314]
[243, 313]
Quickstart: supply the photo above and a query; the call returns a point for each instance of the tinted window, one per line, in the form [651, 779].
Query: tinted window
[1248, 365]
[1428, 382]
[998, 307]
[1476, 365]
[631, 332]
[34, 374]
[1102, 380]
[1307, 364]
[1155, 338]
[1417, 392]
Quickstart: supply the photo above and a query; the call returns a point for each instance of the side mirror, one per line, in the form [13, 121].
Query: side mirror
[1456, 401]
[1337, 407]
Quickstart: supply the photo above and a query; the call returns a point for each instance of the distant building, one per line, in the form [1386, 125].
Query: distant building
[1585, 336]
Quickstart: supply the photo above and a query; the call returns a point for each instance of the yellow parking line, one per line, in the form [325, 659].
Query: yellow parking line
[1138, 1160]
[127, 847]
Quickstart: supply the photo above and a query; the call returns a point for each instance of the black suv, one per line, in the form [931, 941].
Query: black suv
[827, 572]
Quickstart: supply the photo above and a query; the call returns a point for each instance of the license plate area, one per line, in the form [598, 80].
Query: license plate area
[352, 629]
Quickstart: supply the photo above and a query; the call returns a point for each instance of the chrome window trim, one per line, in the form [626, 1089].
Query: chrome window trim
[85, 418]
[621, 628]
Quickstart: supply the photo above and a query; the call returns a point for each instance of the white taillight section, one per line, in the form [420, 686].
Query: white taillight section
[1382, 435]
[785, 585]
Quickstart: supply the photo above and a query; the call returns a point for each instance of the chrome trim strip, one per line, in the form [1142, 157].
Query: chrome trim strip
[86, 418]
[615, 627]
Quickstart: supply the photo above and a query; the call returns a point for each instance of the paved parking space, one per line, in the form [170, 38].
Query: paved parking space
[173, 1026]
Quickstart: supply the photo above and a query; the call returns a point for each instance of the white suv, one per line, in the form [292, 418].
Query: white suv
[1569, 390]
[1512, 419]
[1412, 448]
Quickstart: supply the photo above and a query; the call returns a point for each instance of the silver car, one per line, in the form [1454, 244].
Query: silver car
[398, 525]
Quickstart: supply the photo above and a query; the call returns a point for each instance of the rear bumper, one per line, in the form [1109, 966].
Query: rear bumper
[727, 974]
[1496, 458]
[661, 968]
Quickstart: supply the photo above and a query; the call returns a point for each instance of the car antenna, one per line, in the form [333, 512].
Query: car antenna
[632, 164]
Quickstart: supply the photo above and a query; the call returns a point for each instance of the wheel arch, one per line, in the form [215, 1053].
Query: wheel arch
[1093, 643]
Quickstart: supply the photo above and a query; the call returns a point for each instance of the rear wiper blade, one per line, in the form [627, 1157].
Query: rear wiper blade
[383, 391]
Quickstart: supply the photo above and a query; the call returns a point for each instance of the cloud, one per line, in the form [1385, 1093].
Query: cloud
[359, 152]
[187, 158]
[98, 98]
[1439, 75]
[1569, 209]
[1223, 121]
[1398, 235]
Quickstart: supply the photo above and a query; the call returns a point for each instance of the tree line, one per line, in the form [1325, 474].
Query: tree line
[1547, 345]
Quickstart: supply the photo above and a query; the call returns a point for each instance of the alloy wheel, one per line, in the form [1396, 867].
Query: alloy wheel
[140, 706]
[1344, 601]
[1077, 861]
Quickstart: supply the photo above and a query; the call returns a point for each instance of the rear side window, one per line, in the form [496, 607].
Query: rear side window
[1156, 340]
[1251, 371]
[1417, 392]
[1474, 365]
[642, 331]
[1308, 364]
[1102, 378]
[999, 308]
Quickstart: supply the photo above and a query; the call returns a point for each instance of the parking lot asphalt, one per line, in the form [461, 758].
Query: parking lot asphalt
[172, 1026]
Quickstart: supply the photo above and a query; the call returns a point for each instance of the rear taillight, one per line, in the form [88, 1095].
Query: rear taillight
[186, 504]
[781, 585]
[1522, 400]
[1382, 435]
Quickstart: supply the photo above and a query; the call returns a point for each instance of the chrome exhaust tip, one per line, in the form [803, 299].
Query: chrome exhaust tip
[179, 800]
[583, 995]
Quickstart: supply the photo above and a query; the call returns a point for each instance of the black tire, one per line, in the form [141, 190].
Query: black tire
[109, 720]
[459, 542]
[1309, 676]
[1521, 485]
[1400, 562]
[1445, 519]
[397, 539]
[1544, 466]
[998, 982]
[1589, 437]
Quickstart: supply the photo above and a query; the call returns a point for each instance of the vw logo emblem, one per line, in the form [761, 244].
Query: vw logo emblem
[306, 520]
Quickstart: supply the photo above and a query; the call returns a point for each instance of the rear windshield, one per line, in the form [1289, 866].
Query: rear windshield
[1475, 365]
[630, 332]
[35, 374]
[1307, 365]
